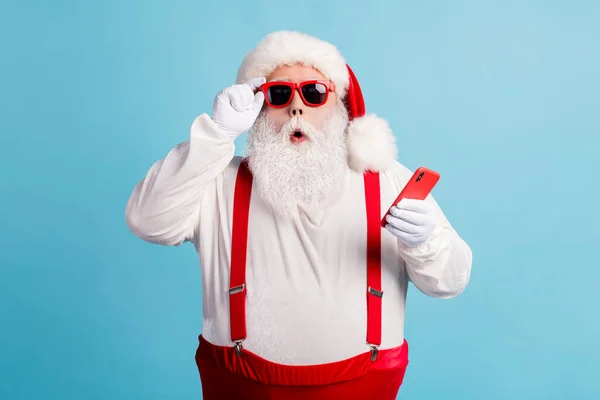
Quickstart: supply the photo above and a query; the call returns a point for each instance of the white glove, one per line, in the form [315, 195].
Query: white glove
[235, 108]
[411, 221]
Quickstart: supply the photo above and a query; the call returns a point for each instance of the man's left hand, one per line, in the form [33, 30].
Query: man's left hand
[411, 221]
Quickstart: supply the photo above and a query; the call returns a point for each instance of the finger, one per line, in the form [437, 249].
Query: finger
[259, 99]
[248, 98]
[412, 217]
[237, 103]
[241, 98]
[404, 236]
[255, 83]
[402, 225]
[420, 206]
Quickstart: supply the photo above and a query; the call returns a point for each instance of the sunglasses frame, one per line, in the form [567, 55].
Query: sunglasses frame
[296, 87]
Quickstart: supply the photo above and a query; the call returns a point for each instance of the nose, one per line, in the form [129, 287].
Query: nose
[297, 105]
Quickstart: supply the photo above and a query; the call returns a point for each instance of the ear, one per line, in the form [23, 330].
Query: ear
[371, 144]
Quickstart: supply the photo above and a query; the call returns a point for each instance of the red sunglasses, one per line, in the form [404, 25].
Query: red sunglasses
[314, 93]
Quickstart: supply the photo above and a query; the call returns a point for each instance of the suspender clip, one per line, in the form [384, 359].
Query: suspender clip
[238, 348]
[374, 352]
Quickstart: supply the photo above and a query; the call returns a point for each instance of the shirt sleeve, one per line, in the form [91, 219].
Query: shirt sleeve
[164, 206]
[440, 267]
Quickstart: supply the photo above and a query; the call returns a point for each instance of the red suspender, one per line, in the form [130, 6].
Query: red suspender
[239, 241]
[239, 245]
[374, 292]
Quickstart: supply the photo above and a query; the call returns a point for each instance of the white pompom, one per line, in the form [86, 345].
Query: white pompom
[371, 144]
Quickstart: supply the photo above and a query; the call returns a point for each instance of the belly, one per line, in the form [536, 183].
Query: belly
[318, 326]
[306, 299]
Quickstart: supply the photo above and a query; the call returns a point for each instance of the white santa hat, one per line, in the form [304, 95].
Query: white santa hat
[370, 141]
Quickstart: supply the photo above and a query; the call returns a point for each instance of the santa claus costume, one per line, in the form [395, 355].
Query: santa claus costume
[309, 307]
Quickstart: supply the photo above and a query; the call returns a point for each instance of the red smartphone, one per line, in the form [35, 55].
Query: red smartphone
[419, 187]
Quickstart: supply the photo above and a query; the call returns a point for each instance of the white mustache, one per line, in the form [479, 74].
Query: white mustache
[298, 124]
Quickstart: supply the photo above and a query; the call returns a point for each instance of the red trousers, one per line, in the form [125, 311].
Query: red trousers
[225, 375]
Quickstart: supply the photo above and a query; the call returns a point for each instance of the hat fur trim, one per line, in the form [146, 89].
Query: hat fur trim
[287, 48]
[371, 144]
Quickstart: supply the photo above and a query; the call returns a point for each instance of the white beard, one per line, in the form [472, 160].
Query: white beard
[305, 175]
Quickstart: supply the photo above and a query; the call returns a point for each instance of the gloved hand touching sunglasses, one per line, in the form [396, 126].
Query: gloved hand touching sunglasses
[411, 221]
[235, 108]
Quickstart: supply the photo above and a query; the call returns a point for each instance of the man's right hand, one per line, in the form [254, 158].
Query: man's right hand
[235, 108]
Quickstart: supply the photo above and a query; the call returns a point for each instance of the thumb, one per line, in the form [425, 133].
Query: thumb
[259, 99]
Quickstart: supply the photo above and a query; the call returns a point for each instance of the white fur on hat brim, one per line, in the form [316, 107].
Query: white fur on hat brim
[288, 48]
[371, 144]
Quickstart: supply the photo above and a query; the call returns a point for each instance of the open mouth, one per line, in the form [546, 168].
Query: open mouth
[297, 136]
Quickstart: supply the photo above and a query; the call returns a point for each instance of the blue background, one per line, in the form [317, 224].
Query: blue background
[500, 96]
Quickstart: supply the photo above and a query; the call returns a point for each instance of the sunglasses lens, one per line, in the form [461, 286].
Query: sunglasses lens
[314, 93]
[279, 94]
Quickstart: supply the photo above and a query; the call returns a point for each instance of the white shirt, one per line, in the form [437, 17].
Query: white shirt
[306, 279]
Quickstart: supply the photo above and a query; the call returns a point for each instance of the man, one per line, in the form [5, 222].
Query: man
[303, 291]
